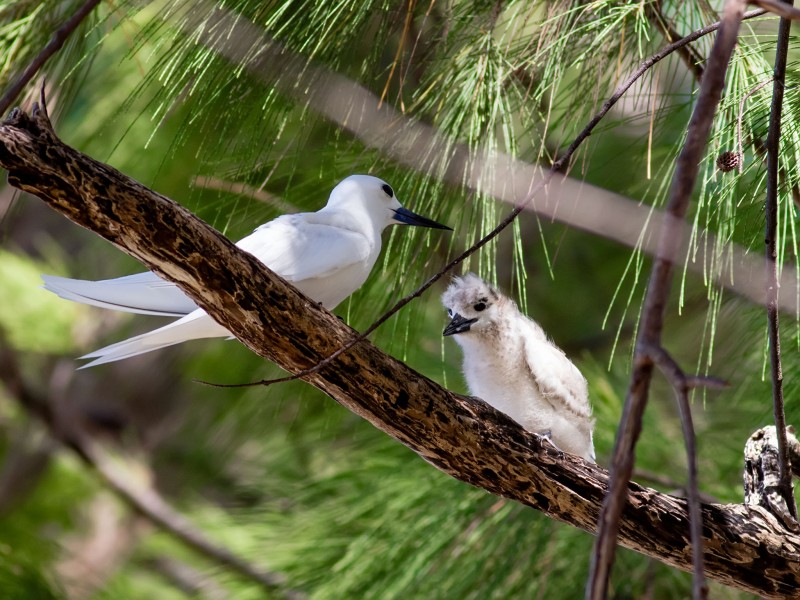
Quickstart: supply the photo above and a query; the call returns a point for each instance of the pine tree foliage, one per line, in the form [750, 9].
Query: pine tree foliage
[283, 476]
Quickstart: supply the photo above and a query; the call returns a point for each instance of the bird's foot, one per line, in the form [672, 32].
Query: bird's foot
[547, 434]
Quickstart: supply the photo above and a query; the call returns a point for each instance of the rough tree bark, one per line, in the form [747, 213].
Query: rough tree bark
[746, 546]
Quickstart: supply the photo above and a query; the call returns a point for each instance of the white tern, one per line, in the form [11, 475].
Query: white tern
[510, 363]
[327, 255]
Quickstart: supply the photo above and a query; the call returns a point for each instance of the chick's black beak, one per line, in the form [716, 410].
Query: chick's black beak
[403, 215]
[458, 325]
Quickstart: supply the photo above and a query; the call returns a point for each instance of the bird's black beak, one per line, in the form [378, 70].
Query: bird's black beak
[458, 325]
[403, 215]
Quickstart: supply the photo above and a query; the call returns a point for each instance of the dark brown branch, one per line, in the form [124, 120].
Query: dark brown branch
[652, 320]
[53, 46]
[463, 437]
[674, 488]
[771, 263]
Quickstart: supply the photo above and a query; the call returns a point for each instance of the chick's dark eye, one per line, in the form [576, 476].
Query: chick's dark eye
[388, 189]
[479, 306]
[449, 312]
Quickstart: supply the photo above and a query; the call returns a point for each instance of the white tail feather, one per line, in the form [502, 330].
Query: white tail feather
[194, 326]
[143, 293]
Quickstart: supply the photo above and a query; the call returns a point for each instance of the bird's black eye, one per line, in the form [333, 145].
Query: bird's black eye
[449, 312]
[480, 306]
[388, 189]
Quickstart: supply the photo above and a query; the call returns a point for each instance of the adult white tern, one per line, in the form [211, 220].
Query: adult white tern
[510, 363]
[327, 255]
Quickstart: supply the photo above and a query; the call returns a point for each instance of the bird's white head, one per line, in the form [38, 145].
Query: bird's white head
[371, 198]
[472, 305]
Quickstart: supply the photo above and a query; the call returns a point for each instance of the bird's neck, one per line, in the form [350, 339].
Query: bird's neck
[354, 220]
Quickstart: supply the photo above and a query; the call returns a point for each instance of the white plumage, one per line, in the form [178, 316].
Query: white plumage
[327, 255]
[510, 363]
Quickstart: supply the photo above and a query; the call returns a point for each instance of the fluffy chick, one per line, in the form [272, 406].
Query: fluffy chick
[510, 363]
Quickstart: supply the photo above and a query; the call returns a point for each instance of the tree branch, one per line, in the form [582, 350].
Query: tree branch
[652, 319]
[691, 57]
[771, 263]
[53, 46]
[147, 501]
[778, 7]
[464, 437]
[143, 499]
[681, 385]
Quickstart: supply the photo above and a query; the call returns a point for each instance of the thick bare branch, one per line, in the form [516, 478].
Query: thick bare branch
[746, 546]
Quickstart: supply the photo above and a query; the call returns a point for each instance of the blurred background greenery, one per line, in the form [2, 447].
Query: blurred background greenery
[284, 477]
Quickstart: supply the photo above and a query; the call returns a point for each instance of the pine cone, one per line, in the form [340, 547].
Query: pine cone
[728, 161]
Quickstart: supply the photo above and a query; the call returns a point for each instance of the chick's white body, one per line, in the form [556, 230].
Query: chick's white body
[326, 254]
[511, 364]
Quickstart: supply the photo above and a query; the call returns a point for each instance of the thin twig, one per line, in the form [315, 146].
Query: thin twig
[652, 320]
[758, 145]
[147, 501]
[53, 46]
[189, 580]
[771, 263]
[680, 385]
[554, 168]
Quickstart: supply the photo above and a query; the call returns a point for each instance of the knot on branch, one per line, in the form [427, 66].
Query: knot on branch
[37, 123]
[762, 473]
[26, 139]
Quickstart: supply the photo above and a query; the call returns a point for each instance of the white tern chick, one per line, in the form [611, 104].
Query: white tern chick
[327, 255]
[510, 363]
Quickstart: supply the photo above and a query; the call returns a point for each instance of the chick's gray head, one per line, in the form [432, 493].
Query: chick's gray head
[471, 303]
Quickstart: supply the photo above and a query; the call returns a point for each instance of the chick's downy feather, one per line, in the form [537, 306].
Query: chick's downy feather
[510, 363]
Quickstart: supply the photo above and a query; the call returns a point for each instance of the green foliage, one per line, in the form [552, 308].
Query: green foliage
[21, 580]
[39, 321]
[284, 476]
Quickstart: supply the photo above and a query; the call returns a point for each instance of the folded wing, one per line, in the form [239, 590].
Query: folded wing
[306, 246]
